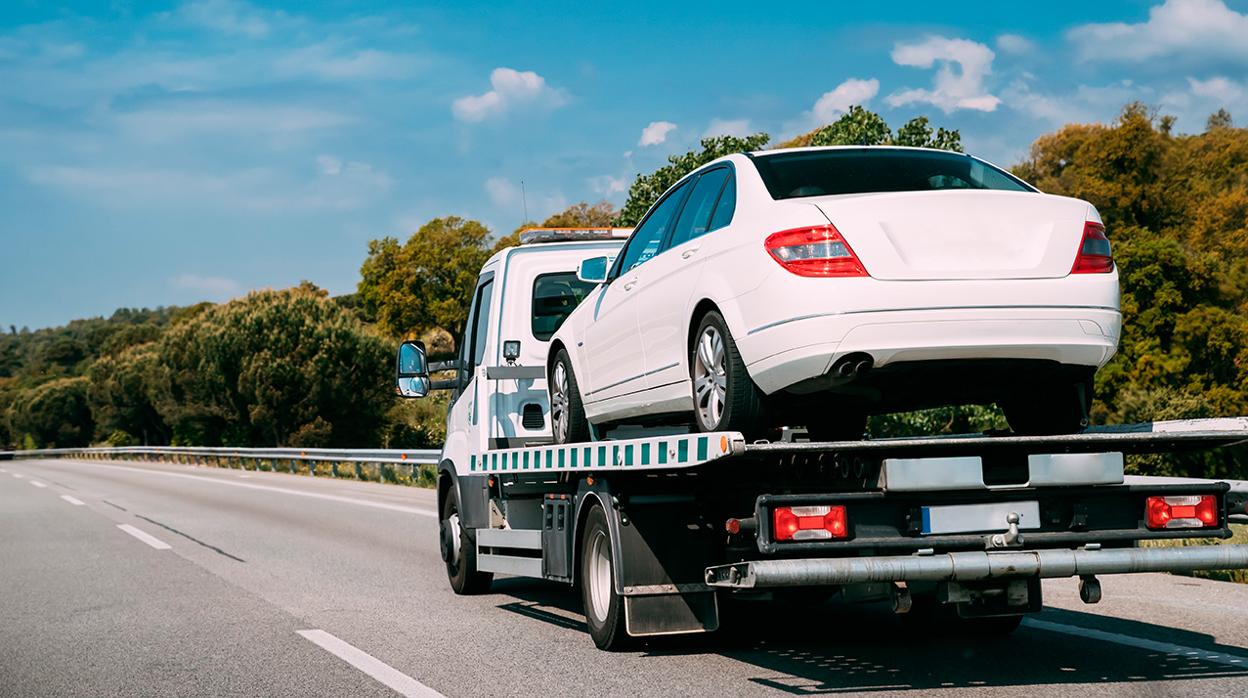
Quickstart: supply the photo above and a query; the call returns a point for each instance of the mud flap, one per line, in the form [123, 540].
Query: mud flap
[671, 614]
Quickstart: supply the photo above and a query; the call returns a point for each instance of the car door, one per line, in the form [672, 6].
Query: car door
[612, 353]
[667, 283]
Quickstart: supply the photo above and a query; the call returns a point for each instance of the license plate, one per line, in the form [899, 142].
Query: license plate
[977, 518]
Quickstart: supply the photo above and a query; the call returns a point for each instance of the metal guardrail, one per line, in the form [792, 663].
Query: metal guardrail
[336, 455]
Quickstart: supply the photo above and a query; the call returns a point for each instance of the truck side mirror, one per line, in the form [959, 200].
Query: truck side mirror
[593, 270]
[411, 377]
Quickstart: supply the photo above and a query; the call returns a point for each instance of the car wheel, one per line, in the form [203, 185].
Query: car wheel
[724, 396]
[459, 551]
[1045, 410]
[567, 415]
[604, 609]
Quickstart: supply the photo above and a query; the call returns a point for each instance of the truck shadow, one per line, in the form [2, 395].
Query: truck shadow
[840, 648]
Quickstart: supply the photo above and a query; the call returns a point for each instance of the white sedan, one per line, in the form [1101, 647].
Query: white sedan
[817, 286]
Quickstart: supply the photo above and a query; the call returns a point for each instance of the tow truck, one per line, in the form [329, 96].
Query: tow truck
[657, 526]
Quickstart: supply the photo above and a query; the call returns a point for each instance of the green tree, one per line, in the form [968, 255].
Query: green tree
[860, 126]
[54, 414]
[647, 188]
[119, 394]
[427, 281]
[274, 368]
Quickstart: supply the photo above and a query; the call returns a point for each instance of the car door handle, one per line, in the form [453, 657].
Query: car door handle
[688, 253]
[628, 286]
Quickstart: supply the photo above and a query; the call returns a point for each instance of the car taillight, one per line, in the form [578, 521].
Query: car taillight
[1185, 511]
[1095, 256]
[815, 251]
[809, 522]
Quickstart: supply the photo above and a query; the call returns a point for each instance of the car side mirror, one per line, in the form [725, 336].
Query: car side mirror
[411, 376]
[594, 270]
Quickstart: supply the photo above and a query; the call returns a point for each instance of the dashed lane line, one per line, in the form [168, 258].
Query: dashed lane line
[17, 475]
[38, 484]
[394, 679]
[270, 488]
[72, 500]
[145, 537]
[1140, 643]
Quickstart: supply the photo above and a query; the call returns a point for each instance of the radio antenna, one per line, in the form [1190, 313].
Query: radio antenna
[524, 199]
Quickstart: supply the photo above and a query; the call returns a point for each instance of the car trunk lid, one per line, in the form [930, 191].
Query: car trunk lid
[959, 234]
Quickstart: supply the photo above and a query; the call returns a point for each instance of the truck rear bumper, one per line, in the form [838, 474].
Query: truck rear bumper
[971, 566]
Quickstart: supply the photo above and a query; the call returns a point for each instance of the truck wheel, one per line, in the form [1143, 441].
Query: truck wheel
[604, 609]
[724, 396]
[1041, 411]
[567, 414]
[459, 550]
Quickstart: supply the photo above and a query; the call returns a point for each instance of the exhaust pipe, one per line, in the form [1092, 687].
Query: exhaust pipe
[852, 366]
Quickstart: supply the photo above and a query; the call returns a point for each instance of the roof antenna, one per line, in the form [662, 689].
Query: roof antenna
[524, 198]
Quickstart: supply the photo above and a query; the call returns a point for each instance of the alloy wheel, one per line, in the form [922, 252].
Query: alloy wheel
[710, 379]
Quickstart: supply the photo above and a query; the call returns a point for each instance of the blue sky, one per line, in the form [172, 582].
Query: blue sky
[157, 153]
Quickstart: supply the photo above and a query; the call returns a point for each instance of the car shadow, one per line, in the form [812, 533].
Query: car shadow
[840, 648]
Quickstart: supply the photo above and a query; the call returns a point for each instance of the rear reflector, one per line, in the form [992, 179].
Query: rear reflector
[814, 251]
[1095, 253]
[1185, 511]
[809, 522]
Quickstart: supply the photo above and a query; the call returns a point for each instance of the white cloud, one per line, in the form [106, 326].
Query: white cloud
[180, 118]
[962, 88]
[327, 62]
[329, 165]
[508, 195]
[1201, 98]
[216, 287]
[845, 95]
[225, 16]
[606, 185]
[1016, 44]
[510, 88]
[656, 133]
[1083, 104]
[502, 192]
[728, 127]
[1185, 28]
[1219, 88]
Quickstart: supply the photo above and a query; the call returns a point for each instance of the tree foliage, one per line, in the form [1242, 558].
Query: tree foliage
[860, 126]
[425, 282]
[119, 393]
[54, 414]
[274, 368]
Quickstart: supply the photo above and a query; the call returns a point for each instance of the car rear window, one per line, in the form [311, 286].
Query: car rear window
[870, 170]
[555, 296]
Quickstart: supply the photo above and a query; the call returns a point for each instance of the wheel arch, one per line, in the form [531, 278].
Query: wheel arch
[700, 309]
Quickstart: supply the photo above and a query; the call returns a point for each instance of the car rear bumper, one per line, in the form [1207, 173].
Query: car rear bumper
[790, 351]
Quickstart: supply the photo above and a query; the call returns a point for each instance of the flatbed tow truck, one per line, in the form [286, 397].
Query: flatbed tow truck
[657, 526]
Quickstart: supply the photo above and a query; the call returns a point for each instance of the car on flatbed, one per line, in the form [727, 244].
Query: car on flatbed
[816, 286]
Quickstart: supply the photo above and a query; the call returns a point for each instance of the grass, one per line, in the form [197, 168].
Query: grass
[1240, 536]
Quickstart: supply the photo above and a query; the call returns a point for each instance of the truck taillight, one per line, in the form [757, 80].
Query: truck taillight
[815, 251]
[1185, 511]
[820, 522]
[1095, 256]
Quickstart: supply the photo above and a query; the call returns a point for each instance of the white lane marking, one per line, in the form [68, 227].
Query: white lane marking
[38, 484]
[244, 475]
[2, 470]
[269, 488]
[17, 475]
[1140, 643]
[145, 537]
[72, 500]
[394, 679]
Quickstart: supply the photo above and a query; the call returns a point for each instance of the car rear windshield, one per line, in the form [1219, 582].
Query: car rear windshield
[870, 170]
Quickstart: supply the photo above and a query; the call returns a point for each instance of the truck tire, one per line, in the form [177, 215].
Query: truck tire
[604, 609]
[460, 550]
[567, 413]
[1047, 410]
[724, 396]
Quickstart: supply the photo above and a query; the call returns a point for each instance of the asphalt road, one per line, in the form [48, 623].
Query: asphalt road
[232, 583]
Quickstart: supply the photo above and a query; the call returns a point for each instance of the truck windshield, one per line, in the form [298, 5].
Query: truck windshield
[555, 296]
[871, 170]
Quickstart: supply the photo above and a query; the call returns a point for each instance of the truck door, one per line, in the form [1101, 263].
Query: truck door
[464, 411]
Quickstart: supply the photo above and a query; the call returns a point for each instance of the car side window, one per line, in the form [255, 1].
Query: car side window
[647, 239]
[727, 204]
[695, 219]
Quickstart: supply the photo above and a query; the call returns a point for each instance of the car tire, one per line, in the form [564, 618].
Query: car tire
[724, 396]
[568, 424]
[1061, 408]
[604, 608]
[460, 551]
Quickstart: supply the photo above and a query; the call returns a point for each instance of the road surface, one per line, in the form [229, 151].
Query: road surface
[135, 579]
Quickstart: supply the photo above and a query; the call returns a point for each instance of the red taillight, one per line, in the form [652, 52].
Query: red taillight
[815, 251]
[819, 522]
[1095, 256]
[1183, 511]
